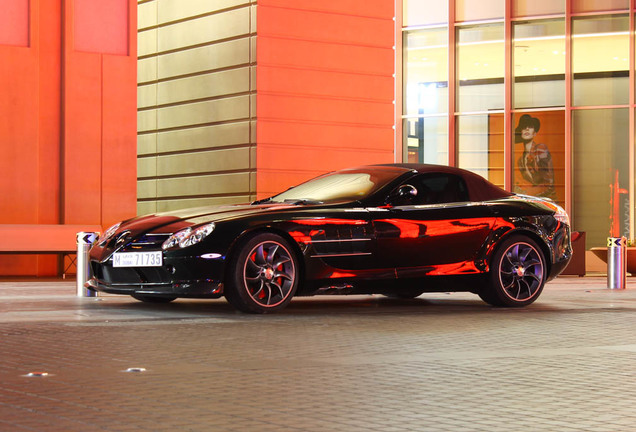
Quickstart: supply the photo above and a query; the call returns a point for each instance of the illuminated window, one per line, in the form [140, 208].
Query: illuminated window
[480, 68]
[600, 60]
[424, 12]
[481, 145]
[539, 64]
[426, 95]
[472, 10]
[426, 71]
[599, 5]
[427, 140]
[601, 173]
[523, 8]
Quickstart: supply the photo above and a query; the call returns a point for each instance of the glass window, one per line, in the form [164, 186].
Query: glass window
[427, 140]
[472, 10]
[424, 12]
[599, 5]
[438, 189]
[600, 60]
[480, 68]
[601, 174]
[539, 154]
[523, 8]
[426, 71]
[480, 145]
[539, 63]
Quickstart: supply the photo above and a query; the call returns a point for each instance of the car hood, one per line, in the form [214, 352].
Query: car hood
[170, 222]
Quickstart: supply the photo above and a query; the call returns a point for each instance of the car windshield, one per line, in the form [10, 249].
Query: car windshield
[338, 186]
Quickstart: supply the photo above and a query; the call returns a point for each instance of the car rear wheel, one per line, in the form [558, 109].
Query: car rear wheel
[152, 299]
[263, 277]
[517, 273]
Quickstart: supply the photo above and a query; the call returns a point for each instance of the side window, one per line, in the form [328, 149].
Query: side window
[440, 189]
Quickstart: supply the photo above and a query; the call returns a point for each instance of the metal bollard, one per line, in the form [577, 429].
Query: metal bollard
[84, 242]
[616, 262]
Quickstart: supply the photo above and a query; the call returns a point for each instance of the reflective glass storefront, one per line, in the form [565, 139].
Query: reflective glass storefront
[537, 96]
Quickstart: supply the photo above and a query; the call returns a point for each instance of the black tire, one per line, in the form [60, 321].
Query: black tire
[263, 275]
[152, 299]
[517, 274]
[405, 294]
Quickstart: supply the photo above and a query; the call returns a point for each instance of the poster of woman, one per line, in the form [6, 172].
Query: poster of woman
[534, 166]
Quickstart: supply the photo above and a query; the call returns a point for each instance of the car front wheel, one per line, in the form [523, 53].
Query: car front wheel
[263, 277]
[517, 273]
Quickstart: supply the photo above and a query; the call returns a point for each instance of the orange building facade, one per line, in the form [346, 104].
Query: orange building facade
[85, 145]
[325, 88]
[67, 124]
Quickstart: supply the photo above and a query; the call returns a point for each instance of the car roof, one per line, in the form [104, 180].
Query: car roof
[479, 188]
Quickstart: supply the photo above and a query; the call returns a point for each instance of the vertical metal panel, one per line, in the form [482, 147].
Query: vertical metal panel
[194, 109]
[398, 100]
[632, 112]
[202, 30]
[508, 87]
[568, 109]
[452, 85]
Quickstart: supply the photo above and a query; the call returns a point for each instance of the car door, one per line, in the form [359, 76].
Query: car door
[436, 230]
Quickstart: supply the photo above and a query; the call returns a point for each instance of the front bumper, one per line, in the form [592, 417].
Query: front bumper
[178, 277]
[189, 289]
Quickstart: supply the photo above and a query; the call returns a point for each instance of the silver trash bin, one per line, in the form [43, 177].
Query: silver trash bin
[616, 262]
[84, 242]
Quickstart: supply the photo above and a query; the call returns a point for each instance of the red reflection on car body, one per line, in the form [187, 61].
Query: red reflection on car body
[339, 274]
[434, 228]
[328, 221]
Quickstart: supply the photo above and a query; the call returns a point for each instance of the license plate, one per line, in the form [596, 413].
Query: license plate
[137, 259]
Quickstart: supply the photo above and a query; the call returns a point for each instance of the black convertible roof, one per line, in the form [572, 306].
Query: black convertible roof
[479, 188]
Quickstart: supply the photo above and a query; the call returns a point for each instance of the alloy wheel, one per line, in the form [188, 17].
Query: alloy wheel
[269, 273]
[521, 271]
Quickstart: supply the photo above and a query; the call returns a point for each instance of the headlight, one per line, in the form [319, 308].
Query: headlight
[188, 237]
[559, 212]
[109, 233]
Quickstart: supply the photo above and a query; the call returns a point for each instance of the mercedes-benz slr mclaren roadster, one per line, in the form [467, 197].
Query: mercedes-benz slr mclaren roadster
[399, 230]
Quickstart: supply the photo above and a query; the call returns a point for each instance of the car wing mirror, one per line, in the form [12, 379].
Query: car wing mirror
[403, 195]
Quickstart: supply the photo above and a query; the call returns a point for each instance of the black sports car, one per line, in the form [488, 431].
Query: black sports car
[398, 230]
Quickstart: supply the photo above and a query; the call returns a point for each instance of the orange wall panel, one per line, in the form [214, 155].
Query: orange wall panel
[325, 88]
[378, 9]
[119, 139]
[331, 111]
[325, 84]
[321, 56]
[14, 23]
[325, 135]
[67, 119]
[349, 29]
[82, 138]
[100, 94]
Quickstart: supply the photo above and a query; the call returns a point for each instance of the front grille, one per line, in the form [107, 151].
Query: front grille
[148, 241]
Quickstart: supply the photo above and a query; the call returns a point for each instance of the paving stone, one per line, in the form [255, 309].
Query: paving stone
[441, 362]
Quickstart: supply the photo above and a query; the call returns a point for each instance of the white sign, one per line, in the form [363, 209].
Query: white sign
[137, 259]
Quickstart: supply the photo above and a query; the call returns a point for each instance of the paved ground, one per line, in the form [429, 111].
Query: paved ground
[442, 362]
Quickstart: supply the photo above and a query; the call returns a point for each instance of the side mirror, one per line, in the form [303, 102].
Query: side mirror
[407, 191]
[403, 195]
